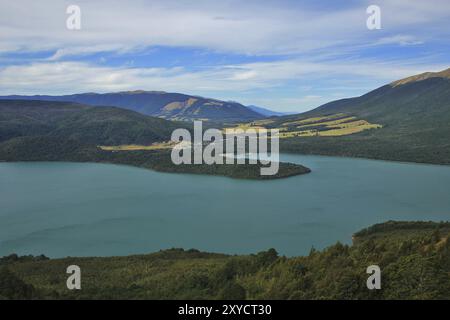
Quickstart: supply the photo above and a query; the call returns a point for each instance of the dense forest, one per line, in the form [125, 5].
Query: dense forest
[414, 258]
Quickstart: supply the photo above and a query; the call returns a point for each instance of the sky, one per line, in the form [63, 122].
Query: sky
[286, 55]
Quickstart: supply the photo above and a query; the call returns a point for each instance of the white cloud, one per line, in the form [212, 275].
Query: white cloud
[403, 40]
[71, 77]
[245, 75]
[315, 37]
[249, 27]
[79, 51]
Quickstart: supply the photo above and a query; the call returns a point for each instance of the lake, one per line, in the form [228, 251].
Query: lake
[76, 209]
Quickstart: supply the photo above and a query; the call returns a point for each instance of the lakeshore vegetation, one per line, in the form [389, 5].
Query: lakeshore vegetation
[414, 258]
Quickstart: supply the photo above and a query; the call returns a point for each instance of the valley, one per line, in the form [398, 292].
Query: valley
[406, 120]
[252, 151]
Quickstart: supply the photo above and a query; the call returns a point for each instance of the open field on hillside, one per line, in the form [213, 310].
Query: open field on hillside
[327, 126]
[135, 147]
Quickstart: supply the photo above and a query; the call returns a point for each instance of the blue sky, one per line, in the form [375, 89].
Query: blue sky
[284, 55]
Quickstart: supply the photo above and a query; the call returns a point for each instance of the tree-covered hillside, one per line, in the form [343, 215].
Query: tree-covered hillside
[411, 116]
[95, 125]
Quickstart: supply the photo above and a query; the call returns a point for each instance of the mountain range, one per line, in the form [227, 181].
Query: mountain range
[406, 120]
[173, 106]
[267, 112]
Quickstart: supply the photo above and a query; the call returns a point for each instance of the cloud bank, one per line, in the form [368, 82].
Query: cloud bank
[290, 44]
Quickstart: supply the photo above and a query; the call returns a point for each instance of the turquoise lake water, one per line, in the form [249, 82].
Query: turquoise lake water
[74, 209]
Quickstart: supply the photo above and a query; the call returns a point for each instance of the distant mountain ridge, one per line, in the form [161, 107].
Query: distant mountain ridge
[173, 106]
[267, 112]
[423, 76]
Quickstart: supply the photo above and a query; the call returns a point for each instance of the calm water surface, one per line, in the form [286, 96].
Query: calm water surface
[70, 209]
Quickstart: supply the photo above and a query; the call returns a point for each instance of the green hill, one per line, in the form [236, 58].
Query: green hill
[95, 125]
[414, 258]
[407, 120]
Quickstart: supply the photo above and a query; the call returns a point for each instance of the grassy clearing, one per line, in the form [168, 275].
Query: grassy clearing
[292, 134]
[314, 120]
[262, 122]
[135, 147]
[327, 123]
[327, 126]
[242, 126]
[348, 130]
[339, 130]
